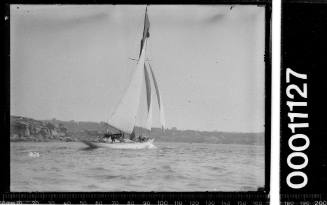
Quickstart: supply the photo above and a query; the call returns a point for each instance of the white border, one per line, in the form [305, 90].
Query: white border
[275, 103]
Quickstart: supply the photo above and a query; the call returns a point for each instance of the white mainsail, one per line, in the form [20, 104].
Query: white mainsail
[124, 116]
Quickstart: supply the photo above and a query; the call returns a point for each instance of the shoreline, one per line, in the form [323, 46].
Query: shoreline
[27, 129]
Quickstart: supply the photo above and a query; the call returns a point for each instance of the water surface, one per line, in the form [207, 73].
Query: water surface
[68, 166]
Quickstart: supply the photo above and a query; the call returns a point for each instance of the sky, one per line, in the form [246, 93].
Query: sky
[71, 62]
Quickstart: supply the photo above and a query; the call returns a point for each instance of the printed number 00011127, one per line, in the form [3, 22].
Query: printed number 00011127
[297, 151]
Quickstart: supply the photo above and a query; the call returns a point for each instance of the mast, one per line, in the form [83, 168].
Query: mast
[144, 42]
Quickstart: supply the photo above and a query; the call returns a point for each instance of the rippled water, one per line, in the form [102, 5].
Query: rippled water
[68, 166]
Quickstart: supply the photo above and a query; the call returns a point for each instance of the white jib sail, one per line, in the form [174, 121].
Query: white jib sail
[160, 102]
[149, 98]
[124, 116]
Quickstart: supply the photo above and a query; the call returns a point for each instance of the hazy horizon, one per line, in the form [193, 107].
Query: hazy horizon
[71, 62]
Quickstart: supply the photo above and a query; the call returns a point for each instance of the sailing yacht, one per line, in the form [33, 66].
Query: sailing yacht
[123, 132]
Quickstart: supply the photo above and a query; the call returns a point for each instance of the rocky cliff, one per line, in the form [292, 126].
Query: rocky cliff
[27, 129]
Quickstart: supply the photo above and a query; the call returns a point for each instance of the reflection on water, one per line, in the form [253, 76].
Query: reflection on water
[71, 166]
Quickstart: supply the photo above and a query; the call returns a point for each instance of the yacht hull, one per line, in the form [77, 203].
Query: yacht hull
[122, 145]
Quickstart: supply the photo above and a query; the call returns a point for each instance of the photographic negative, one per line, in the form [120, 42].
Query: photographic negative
[108, 98]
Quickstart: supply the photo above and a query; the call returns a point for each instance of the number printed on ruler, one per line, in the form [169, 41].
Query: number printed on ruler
[299, 91]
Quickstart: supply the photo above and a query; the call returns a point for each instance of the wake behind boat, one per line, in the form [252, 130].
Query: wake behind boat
[122, 123]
